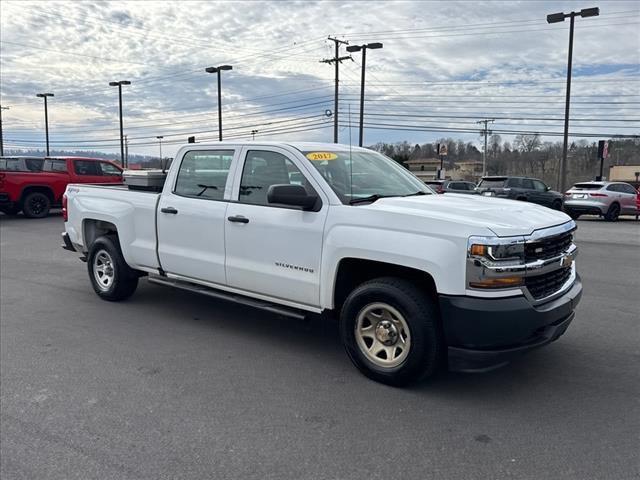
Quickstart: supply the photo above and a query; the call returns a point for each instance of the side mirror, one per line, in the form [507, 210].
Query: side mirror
[547, 188]
[294, 195]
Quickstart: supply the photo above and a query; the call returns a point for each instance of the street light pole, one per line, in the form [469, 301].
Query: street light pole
[357, 48]
[1, 134]
[46, 116]
[119, 85]
[218, 70]
[555, 18]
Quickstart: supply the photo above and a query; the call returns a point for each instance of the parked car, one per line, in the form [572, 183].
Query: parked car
[414, 277]
[606, 199]
[452, 186]
[520, 188]
[35, 185]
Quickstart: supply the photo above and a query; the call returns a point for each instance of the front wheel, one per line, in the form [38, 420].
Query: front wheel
[557, 205]
[112, 279]
[391, 331]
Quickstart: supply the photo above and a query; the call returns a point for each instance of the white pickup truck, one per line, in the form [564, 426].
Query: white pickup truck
[419, 281]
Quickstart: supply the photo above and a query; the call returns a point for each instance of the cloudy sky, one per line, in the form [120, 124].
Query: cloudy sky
[444, 66]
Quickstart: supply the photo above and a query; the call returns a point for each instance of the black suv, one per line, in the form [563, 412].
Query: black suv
[453, 186]
[521, 188]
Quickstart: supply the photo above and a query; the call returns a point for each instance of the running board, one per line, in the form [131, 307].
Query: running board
[232, 297]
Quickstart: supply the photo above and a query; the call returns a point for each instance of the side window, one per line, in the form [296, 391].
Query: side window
[263, 169]
[59, 166]
[613, 188]
[514, 183]
[34, 164]
[203, 174]
[108, 169]
[628, 189]
[11, 165]
[527, 184]
[539, 186]
[86, 167]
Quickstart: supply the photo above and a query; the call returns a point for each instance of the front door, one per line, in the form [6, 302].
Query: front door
[273, 250]
[191, 217]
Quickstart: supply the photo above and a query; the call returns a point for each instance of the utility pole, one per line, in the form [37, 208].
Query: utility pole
[1, 134]
[253, 134]
[336, 60]
[486, 133]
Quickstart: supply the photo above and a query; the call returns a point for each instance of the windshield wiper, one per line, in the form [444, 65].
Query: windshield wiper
[416, 193]
[370, 198]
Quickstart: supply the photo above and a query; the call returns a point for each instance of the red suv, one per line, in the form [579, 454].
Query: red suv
[34, 185]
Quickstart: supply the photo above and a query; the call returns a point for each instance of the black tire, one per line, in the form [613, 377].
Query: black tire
[572, 214]
[124, 280]
[522, 199]
[613, 213]
[426, 352]
[36, 205]
[557, 205]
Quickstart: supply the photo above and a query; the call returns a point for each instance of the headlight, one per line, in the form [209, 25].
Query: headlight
[495, 262]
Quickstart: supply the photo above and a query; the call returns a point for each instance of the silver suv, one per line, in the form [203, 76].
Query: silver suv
[607, 199]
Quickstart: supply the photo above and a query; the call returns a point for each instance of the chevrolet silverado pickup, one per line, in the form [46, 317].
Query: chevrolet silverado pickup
[418, 281]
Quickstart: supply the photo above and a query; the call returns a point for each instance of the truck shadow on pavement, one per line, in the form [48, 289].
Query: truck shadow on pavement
[317, 338]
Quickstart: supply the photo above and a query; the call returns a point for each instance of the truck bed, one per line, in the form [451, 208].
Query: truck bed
[134, 211]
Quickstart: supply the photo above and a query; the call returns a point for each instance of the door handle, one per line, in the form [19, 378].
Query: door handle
[238, 219]
[169, 210]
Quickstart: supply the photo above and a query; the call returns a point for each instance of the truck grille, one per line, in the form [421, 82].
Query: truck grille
[542, 286]
[549, 247]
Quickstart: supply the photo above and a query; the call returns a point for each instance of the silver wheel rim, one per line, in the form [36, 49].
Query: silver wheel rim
[103, 270]
[383, 335]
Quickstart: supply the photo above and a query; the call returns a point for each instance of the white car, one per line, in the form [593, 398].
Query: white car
[606, 199]
[419, 281]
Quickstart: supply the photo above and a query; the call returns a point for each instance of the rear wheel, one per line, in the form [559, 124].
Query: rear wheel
[613, 213]
[112, 279]
[36, 205]
[391, 331]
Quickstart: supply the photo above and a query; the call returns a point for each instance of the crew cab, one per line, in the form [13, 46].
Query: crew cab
[418, 281]
[34, 185]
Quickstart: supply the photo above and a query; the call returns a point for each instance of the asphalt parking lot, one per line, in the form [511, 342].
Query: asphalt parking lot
[171, 385]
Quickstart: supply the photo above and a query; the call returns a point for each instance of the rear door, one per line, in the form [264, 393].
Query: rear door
[274, 250]
[191, 216]
[540, 194]
[628, 196]
[87, 171]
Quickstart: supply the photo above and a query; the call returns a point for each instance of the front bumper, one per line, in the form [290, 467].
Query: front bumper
[485, 333]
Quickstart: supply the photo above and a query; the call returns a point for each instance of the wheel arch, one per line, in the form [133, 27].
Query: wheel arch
[352, 271]
[37, 188]
[93, 228]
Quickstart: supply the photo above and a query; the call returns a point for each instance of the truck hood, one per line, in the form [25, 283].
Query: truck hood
[503, 217]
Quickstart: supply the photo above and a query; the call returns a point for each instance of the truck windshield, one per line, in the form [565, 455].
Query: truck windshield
[359, 175]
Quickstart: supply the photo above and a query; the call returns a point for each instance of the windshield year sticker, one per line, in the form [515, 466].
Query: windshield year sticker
[319, 156]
